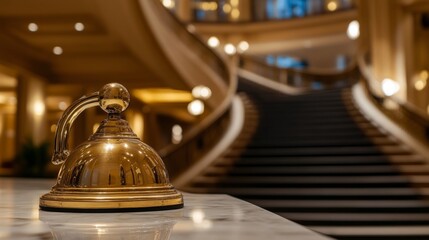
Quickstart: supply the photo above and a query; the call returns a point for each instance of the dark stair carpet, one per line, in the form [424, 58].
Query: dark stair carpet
[315, 160]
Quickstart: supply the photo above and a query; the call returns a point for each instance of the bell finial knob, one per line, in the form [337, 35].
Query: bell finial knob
[114, 98]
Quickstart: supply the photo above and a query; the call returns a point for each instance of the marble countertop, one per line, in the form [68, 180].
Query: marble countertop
[205, 216]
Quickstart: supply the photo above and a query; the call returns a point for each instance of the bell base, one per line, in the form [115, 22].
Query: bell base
[111, 200]
[111, 210]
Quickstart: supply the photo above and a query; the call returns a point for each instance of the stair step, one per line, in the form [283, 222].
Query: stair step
[314, 158]
[308, 134]
[344, 206]
[285, 143]
[350, 219]
[415, 232]
[321, 160]
[322, 193]
[307, 171]
[320, 151]
[269, 181]
[414, 170]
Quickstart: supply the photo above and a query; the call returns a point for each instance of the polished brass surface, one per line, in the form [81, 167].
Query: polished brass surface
[113, 169]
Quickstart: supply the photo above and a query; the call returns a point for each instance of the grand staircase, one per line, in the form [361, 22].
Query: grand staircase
[315, 160]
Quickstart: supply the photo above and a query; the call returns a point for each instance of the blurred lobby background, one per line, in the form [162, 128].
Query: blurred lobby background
[293, 105]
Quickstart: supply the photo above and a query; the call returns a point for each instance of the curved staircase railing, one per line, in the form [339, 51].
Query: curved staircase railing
[419, 121]
[302, 79]
[207, 132]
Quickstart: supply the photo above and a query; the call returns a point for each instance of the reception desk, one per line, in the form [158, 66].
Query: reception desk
[205, 216]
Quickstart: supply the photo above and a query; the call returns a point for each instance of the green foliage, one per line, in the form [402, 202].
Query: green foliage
[32, 159]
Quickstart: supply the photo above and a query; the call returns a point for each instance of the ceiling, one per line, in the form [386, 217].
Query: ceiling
[115, 44]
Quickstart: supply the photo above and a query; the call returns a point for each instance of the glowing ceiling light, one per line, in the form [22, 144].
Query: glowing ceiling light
[201, 92]
[39, 108]
[196, 107]
[57, 50]
[389, 87]
[226, 8]
[421, 82]
[353, 30]
[176, 134]
[234, 3]
[176, 129]
[229, 49]
[62, 106]
[235, 13]
[33, 27]
[208, 6]
[213, 41]
[332, 6]
[243, 46]
[168, 4]
[79, 26]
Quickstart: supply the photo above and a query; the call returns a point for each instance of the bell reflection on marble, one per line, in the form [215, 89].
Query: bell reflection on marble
[113, 170]
[112, 225]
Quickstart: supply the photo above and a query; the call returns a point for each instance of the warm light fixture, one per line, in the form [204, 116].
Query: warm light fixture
[201, 92]
[39, 108]
[235, 13]
[234, 3]
[33, 27]
[421, 81]
[207, 6]
[353, 30]
[243, 46]
[79, 26]
[226, 8]
[389, 87]
[229, 49]
[213, 41]
[62, 105]
[196, 107]
[57, 50]
[176, 134]
[420, 84]
[332, 6]
[168, 4]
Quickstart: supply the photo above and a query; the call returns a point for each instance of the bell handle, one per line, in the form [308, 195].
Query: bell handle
[61, 151]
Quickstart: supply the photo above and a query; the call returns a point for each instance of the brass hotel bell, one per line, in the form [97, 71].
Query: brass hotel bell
[113, 170]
